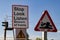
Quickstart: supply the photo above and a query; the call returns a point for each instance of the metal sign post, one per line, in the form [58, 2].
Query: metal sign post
[44, 35]
[5, 24]
[4, 34]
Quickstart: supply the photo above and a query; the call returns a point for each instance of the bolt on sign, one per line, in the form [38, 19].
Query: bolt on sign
[19, 16]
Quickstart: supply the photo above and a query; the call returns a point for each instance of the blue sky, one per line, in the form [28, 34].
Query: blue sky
[36, 7]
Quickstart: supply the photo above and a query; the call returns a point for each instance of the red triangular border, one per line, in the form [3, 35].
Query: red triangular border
[46, 13]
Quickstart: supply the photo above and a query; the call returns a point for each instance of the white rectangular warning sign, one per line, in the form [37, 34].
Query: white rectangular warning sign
[19, 16]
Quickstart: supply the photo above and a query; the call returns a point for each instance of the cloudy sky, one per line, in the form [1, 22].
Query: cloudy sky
[36, 7]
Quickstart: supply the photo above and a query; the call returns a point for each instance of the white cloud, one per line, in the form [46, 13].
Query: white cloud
[34, 37]
[8, 38]
[58, 30]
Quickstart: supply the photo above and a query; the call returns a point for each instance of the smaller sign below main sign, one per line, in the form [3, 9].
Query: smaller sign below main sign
[20, 16]
[20, 34]
[45, 23]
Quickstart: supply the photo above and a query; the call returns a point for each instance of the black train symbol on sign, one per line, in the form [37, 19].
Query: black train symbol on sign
[46, 25]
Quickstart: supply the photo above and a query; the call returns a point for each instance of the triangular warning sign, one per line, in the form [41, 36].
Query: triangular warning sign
[45, 23]
[20, 35]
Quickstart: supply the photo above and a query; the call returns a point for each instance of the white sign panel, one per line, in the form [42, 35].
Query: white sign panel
[20, 16]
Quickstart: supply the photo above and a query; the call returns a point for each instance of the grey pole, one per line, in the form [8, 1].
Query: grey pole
[4, 34]
[44, 35]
